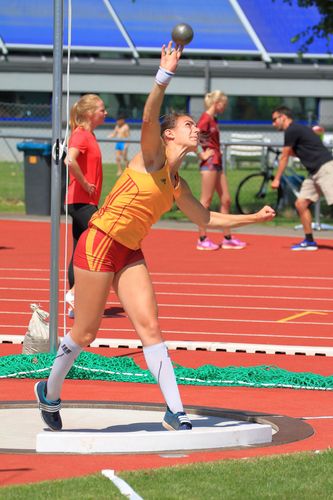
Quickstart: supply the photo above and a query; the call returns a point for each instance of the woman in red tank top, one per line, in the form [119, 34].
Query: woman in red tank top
[84, 160]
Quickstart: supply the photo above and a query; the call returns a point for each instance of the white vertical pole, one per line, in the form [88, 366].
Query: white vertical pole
[56, 169]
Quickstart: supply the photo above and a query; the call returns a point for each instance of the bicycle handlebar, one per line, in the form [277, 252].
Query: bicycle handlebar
[273, 150]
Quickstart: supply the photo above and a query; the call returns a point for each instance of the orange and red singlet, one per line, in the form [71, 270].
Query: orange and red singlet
[135, 203]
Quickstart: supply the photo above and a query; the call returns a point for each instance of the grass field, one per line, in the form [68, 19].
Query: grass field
[12, 185]
[12, 188]
[296, 477]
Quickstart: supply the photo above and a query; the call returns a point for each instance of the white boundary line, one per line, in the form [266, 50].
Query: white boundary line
[122, 486]
[203, 346]
[184, 294]
[218, 320]
[191, 284]
[322, 417]
[184, 332]
[217, 275]
[196, 306]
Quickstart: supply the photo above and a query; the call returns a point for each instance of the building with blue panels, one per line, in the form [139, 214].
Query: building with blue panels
[243, 47]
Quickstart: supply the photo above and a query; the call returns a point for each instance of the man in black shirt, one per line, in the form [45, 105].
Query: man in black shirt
[302, 142]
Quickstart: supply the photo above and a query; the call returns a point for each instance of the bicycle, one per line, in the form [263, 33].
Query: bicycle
[255, 190]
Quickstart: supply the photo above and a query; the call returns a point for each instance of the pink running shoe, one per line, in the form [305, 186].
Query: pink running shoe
[207, 245]
[233, 244]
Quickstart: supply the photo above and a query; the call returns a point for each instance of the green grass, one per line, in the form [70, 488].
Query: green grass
[296, 477]
[11, 187]
[12, 191]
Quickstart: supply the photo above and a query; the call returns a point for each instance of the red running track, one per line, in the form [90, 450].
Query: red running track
[264, 294]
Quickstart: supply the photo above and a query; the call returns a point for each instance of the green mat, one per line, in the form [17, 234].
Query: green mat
[89, 366]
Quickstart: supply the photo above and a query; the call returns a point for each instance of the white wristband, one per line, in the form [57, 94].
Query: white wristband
[163, 77]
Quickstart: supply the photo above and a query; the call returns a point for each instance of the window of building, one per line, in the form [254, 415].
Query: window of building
[26, 106]
[258, 110]
[36, 107]
[131, 105]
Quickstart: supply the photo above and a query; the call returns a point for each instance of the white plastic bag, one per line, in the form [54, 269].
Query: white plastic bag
[37, 337]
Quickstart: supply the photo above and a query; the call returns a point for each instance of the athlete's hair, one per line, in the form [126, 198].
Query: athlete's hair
[169, 121]
[87, 104]
[284, 110]
[213, 97]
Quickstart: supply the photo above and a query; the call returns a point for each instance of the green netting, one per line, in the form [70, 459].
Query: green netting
[123, 369]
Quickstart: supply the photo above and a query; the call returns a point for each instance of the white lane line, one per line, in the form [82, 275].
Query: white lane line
[45, 301]
[196, 284]
[24, 269]
[242, 285]
[213, 275]
[274, 276]
[229, 320]
[322, 417]
[25, 289]
[223, 320]
[203, 334]
[122, 486]
[237, 296]
[202, 306]
[251, 308]
[184, 283]
[187, 294]
[22, 278]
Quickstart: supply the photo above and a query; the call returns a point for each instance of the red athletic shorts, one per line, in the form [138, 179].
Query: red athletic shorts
[96, 251]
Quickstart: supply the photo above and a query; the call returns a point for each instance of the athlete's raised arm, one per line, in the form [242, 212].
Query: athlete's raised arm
[151, 144]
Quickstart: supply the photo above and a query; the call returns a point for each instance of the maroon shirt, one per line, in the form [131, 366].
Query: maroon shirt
[210, 138]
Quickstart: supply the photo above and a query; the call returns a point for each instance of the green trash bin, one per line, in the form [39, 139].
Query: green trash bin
[37, 177]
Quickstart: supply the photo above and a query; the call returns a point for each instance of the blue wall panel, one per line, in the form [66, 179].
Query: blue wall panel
[276, 23]
[149, 24]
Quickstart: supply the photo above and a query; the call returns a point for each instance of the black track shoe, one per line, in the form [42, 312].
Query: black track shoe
[176, 421]
[49, 409]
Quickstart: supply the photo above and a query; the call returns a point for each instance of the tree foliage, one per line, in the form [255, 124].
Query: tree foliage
[323, 29]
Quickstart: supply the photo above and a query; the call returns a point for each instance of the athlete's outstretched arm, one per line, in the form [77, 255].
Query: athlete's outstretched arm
[202, 217]
[151, 144]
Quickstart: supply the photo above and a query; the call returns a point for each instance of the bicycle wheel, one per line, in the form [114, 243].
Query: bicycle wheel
[254, 192]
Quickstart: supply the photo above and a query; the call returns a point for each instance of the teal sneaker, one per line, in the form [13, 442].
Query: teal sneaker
[305, 245]
[176, 421]
[49, 409]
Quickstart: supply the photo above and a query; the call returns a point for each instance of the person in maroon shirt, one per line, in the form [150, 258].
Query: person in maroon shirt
[212, 176]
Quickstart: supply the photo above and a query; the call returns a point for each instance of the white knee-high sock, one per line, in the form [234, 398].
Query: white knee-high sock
[160, 366]
[67, 353]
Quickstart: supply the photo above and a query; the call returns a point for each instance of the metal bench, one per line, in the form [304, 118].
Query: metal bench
[239, 152]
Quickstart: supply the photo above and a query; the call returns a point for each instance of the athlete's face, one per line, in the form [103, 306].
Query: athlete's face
[278, 121]
[220, 106]
[99, 114]
[186, 132]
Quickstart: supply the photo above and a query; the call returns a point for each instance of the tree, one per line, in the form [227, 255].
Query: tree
[323, 29]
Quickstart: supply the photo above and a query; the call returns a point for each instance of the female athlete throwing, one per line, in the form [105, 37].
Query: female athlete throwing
[109, 252]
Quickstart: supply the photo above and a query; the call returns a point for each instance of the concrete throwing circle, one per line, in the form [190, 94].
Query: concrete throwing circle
[110, 428]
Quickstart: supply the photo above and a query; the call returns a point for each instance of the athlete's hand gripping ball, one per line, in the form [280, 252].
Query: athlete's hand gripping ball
[182, 34]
